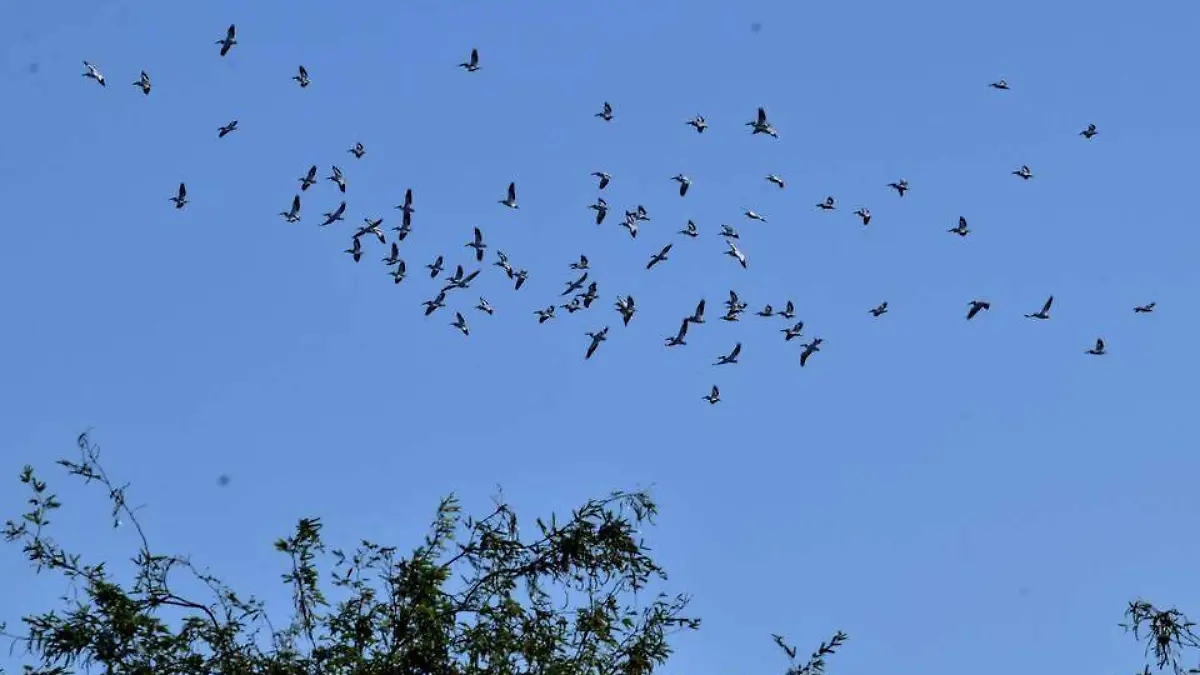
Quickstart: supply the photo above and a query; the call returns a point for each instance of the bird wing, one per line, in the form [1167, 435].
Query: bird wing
[1046, 307]
[478, 237]
[231, 33]
[737, 349]
[700, 309]
[474, 57]
[512, 192]
[762, 116]
[296, 203]
[303, 72]
[182, 190]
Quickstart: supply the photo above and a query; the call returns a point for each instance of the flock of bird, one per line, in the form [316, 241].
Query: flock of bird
[582, 291]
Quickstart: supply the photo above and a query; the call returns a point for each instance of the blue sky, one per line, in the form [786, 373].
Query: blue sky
[952, 494]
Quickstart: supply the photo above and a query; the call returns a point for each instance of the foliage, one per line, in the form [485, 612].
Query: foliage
[1166, 633]
[473, 598]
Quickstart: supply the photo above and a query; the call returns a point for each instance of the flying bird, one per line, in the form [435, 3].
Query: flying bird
[472, 64]
[690, 230]
[604, 178]
[435, 267]
[809, 349]
[544, 315]
[698, 315]
[900, 186]
[607, 113]
[229, 41]
[698, 123]
[714, 395]
[432, 306]
[625, 307]
[827, 205]
[144, 83]
[631, 224]
[728, 232]
[601, 209]
[309, 179]
[94, 73]
[355, 249]
[999, 84]
[961, 229]
[484, 306]
[582, 264]
[734, 303]
[335, 215]
[460, 323]
[224, 131]
[292, 216]
[659, 257]
[762, 126]
[1144, 309]
[793, 331]
[684, 183]
[976, 306]
[1089, 132]
[459, 280]
[573, 286]
[521, 276]
[358, 150]
[789, 311]
[732, 357]
[1044, 313]
[678, 339]
[767, 310]
[372, 227]
[301, 77]
[180, 197]
[393, 257]
[511, 200]
[753, 216]
[865, 214]
[597, 338]
[1098, 349]
[1023, 172]
[879, 310]
[776, 180]
[736, 253]
[400, 271]
[338, 178]
[477, 244]
[407, 207]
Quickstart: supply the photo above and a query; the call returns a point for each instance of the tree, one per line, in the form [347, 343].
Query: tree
[474, 597]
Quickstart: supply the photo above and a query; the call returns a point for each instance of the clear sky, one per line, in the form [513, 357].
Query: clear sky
[954, 495]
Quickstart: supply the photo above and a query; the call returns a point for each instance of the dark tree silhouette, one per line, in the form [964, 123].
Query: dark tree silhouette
[577, 598]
